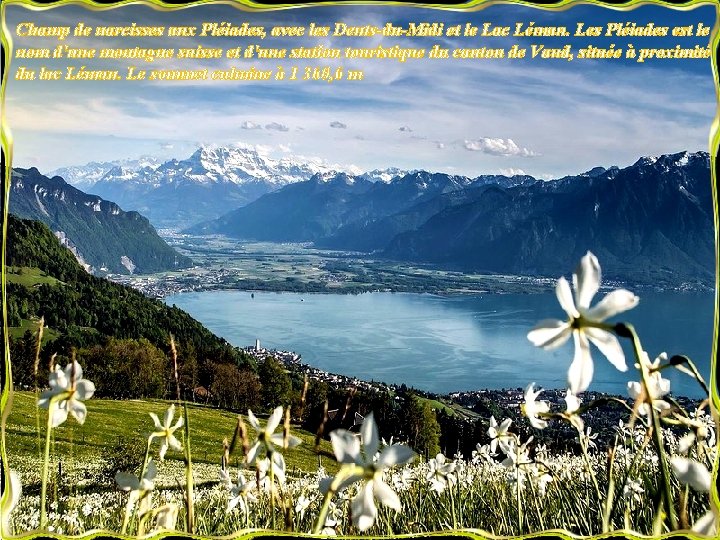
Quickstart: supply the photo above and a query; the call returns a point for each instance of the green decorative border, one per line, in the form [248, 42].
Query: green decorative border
[249, 5]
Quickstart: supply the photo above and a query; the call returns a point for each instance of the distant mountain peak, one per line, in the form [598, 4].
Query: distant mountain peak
[645, 160]
[678, 159]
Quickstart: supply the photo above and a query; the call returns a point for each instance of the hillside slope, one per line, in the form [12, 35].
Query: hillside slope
[101, 234]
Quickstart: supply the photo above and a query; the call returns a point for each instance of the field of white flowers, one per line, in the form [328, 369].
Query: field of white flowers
[654, 478]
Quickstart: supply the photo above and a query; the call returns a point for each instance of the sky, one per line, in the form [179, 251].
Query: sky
[547, 118]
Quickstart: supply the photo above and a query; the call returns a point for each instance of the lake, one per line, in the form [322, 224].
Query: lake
[448, 343]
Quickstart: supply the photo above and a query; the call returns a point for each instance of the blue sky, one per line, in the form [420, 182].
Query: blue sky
[546, 118]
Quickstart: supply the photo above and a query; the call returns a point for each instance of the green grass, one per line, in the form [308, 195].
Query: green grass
[32, 325]
[438, 405]
[452, 409]
[29, 277]
[110, 421]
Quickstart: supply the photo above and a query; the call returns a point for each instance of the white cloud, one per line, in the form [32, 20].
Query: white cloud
[497, 147]
[338, 125]
[405, 128]
[247, 124]
[284, 148]
[276, 126]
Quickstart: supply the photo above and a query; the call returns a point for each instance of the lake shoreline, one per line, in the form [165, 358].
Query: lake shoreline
[293, 363]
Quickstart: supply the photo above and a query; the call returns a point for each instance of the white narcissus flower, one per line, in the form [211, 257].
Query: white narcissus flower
[518, 456]
[10, 501]
[657, 386]
[267, 438]
[440, 473]
[138, 487]
[691, 473]
[532, 408]
[498, 434]
[590, 438]
[165, 431]
[348, 451]
[572, 403]
[633, 491]
[240, 492]
[67, 391]
[278, 471]
[483, 452]
[302, 504]
[166, 516]
[541, 480]
[685, 442]
[699, 478]
[581, 325]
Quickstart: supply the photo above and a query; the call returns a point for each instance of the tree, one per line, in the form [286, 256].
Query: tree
[128, 368]
[276, 385]
[22, 356]
[317, 393]
[234, 388]
[421, 426]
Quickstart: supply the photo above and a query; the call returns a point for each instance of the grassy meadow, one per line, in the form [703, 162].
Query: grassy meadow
[115, 421]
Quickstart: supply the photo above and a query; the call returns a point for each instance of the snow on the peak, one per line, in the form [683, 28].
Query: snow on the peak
[384, 175]
[646, 160]
[683, 160]
[237, 164]
[95, 205]
[85, 176]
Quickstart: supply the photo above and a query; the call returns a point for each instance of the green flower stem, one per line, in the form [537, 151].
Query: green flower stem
[628, 471]
[682, 359]
[143, 519]
[460, 499]
[610, 500]
[586, 458]
[147, 456]
[452, 507]
[271, 472]
[190, 502]
[126, 518]
[344, 472]
[517, 486]
[46, 461]
[627, 330]
[134, 507]
[37, 390]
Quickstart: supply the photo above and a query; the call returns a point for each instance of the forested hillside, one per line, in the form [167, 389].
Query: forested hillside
[86, 311]
[104, 237]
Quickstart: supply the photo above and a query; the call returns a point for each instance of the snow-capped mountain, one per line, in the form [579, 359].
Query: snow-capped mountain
[384, 175]
[209, 183]
[85, 176]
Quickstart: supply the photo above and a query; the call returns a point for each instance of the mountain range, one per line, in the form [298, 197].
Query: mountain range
[649, 222]
[215, 179]
[103, 237]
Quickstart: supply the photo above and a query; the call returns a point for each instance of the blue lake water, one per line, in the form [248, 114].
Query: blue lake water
[444, 344]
